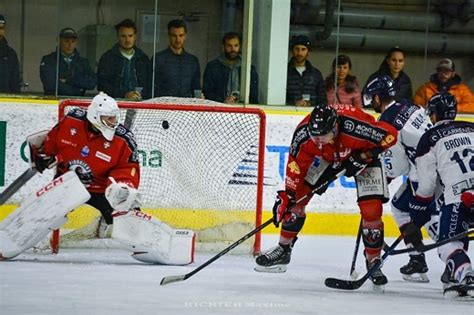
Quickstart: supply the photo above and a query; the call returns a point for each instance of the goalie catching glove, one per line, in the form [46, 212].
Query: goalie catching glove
[38, 159]
[121, 196]
[281, 209]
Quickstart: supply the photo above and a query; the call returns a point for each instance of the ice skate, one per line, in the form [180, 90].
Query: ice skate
[446, 278]
[415, 270]
[378, 278]
[274, 260]
[463, 290]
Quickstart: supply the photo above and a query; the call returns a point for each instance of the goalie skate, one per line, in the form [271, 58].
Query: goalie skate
[415, 270]
[274, 260]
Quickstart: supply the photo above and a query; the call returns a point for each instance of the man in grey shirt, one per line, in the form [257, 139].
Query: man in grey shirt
[177, 72]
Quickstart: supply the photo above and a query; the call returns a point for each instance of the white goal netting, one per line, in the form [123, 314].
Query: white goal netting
[201, 169]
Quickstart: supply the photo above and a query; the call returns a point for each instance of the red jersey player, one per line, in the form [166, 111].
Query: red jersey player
[102, 152]
[324, 143]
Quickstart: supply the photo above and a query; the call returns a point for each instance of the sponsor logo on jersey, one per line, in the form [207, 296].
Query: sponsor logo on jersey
[107, 145]
[103, 156]
[387, 140]
[73, 131]
[121, 130]
[85, 151]
[72, 144]
[404, 115]
[83, 171]
[349, 125]
[299, 137]
[294, 168]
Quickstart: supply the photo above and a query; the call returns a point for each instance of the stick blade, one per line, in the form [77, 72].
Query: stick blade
[342, 284]
[171, 279]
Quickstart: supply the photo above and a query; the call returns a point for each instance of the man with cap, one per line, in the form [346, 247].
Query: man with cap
[75, 74]
[446, 80]
[305, 83]
[9, 65]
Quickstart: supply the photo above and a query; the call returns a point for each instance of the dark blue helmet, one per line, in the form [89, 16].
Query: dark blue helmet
[383, 86]
[444, 105]
[322, 120]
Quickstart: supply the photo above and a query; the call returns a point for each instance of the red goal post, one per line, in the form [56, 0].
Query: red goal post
[202, 167]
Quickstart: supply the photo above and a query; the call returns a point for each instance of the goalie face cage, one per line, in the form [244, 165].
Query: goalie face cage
[201, 168]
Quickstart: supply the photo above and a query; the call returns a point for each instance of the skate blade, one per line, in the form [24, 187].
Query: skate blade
[457, 293]
[270, 269]
[458, 296]
[416, 277]
[378, 288]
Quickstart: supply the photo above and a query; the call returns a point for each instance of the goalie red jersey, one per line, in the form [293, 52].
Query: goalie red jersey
[94, 158]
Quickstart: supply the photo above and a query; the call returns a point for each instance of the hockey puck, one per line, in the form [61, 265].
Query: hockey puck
[165, 124]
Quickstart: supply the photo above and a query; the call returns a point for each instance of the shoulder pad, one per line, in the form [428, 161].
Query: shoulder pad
[300, 136]
[77, 113]
[124, 133]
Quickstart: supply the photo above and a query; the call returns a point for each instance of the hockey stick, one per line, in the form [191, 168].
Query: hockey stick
[171, 279]
[428, 247]
[355, 284]
[17, 184]
[352, 273]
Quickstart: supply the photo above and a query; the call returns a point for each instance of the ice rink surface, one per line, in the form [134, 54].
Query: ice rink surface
[103, 281]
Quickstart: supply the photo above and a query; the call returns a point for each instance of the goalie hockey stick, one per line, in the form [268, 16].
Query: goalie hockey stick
[355, 284]
[171, 279]
[17, 184]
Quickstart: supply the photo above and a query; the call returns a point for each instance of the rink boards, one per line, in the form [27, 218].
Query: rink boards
[334, 213]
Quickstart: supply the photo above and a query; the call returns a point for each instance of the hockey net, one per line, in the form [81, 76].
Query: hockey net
[201, 169]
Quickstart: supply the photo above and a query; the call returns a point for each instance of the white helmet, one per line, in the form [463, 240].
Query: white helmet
[99, 113]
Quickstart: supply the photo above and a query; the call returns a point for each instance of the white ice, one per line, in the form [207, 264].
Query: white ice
[104, 281]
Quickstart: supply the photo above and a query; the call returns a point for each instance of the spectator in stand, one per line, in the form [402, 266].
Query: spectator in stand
[222, 75]
[9, 65]
[305, 85]
[347, 91]
[445, 80]
[393, 65]
[177, 72]
[124, 71]
[75, 74]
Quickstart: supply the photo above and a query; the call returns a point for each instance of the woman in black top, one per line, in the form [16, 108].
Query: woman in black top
[393, 65]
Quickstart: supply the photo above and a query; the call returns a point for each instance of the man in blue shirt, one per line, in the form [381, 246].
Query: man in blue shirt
[9, 65]
[75, 74]
[177, 72]
[222, 75]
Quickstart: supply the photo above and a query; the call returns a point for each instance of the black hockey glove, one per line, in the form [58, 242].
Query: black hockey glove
[41, 160]
[412, 235]
[328, 176]
[281, 209]
[354, 164]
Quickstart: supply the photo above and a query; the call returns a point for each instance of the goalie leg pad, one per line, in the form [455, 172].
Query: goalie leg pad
[153, 241]
[41, 212]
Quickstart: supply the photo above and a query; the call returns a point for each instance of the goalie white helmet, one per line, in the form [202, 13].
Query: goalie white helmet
[104, 114]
